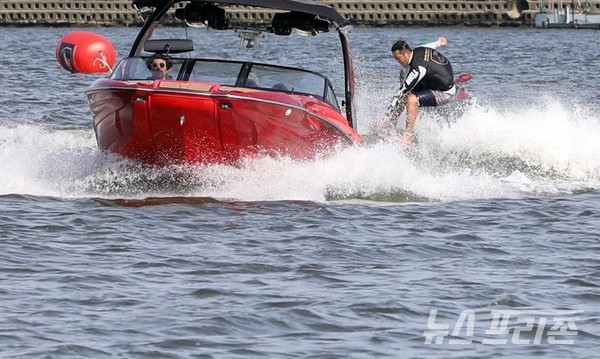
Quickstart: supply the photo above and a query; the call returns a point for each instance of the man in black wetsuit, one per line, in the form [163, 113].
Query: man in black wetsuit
[429, 82]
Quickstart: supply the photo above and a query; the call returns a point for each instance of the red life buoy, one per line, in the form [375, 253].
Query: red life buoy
[85, 52]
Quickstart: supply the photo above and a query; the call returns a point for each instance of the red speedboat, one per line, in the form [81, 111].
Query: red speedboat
[215, 110]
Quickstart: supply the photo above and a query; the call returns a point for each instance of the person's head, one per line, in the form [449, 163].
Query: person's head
[159, 65]
[401, 52]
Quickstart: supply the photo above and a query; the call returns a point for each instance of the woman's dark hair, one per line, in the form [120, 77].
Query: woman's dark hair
[400, 45]
[167, 60]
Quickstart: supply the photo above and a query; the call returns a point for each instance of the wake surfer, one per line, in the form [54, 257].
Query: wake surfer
[429, 82]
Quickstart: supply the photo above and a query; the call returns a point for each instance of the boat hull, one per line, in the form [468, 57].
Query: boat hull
[165, 122]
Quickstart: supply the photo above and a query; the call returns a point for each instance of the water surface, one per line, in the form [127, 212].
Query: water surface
[346, 256]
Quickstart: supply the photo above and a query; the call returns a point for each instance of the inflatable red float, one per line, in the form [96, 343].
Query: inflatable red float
[85, 52]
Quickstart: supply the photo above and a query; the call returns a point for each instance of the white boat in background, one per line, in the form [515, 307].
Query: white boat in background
[567, 14]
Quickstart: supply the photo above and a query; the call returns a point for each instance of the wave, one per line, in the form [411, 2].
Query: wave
[478, 152]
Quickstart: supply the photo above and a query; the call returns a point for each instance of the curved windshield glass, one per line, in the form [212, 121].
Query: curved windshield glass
[139, 68]
[227, 73]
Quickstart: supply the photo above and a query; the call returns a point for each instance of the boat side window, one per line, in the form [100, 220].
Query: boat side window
[130, 68]
[330, 97]
[293, 80]
[285, 79]
[262, 76]
[218, 72]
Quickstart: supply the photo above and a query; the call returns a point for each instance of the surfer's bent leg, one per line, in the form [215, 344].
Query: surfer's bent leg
[432, 98]
[424, 98]
[427, 98]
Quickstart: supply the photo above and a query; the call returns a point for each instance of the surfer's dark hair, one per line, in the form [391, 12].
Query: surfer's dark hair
[400, 45]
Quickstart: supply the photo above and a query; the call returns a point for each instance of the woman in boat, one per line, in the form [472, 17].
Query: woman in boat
[159, 65]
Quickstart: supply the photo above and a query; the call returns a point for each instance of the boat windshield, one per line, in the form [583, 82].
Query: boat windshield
[232, 73]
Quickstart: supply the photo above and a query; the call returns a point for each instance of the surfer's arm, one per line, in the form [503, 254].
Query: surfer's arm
[396, 106]
[441, 41]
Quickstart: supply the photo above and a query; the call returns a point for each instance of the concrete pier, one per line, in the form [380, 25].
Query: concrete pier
[67, 13]
[358, 12]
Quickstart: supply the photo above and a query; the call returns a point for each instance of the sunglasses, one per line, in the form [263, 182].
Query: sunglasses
[161, 65]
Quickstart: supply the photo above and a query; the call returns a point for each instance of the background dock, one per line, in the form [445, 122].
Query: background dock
[358, 12]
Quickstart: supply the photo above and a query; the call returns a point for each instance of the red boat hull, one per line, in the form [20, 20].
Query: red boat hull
[165, 122]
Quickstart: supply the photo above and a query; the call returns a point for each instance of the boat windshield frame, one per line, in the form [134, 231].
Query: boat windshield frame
[160, 10]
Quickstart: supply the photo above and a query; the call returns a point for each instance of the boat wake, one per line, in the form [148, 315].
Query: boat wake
[482, 153]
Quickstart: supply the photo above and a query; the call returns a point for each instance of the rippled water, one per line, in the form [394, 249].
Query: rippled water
[495, 213]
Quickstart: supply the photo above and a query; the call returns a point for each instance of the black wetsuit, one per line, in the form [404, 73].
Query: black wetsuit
[428, 71]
